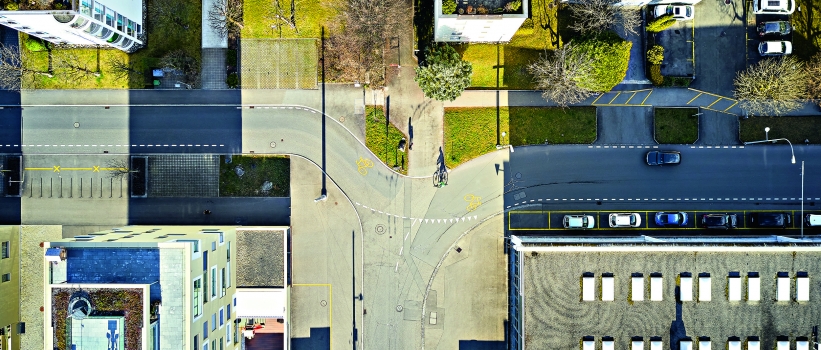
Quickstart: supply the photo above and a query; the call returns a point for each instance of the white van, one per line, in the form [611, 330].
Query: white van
[812, 220]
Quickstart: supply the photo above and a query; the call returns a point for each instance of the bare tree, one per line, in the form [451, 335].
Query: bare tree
[13, 70]
[225, 16]
[357, 46]
[73, 65]
[279, 17]
[164, 12]
[559, 75]
[814, 79]
[772, 87]
[602, 15]
[122, 69]
[118, 168]
[180, 61]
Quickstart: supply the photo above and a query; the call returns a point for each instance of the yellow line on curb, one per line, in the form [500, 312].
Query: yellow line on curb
[620, 105]
[597, 98]
[714, 102]
[718, 110]
[694, 98]
[731, 106]
[330, 308]
[645, 97]
[614, 97]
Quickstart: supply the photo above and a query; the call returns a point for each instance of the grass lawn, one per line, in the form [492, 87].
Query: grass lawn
[258, 16]
[795, 129]
[258, 170]
[471, 132]
[163, 36]
[384, 147]
[534, 125]
[676, 125]
[537, 34]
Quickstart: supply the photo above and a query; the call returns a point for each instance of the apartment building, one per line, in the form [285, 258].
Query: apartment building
[10, 325]
[108, 23]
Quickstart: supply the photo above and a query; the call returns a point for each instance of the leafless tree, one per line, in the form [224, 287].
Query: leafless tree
[558, 76]
[814, 79]
[73, 67]
[122, 69]
[13, 71]
[602, 15]
[118, 168]
[225, 16]
[164, 12]
[279, 17]
[180, 61]
[772, 87]
[357, 45]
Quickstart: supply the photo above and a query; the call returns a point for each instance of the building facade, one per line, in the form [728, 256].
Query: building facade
[10, 325]
[107, 23]
[176, 283]
[479, 21]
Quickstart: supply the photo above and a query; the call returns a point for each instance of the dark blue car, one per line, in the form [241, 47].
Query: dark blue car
[671, 219]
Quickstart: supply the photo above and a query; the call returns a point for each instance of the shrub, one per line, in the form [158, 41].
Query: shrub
[232, 81]
[12, 6]
[656, 54]
[482, 10]
[661, 23]
[34, 45]
[448, 7]
[528, 23]
[231, 58]
[681, 81]
[59, 6]
[610, 55]
[655, 75]
[513, 6]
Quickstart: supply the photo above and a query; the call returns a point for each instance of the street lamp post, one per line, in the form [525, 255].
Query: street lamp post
[774, 141]
[801, 219]
[767, 133]
[792, 160]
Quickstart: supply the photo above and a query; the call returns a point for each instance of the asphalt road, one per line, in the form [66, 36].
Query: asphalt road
[759, 175]
[223, 211]
[9, 210]
[10, 130]
[195, 129]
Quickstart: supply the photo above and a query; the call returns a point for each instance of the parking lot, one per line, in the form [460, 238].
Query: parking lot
[534, 220]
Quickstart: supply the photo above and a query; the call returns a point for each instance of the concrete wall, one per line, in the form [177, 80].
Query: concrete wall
[477, 28]
[10, 291]
[173, 312]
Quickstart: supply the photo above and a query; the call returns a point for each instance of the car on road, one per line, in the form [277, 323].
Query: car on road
[667, 219]
[812, 220]
[775, 7]
[774, 28]
[625, 220]
[775, 48]
[719, 221]
[771, 219]
[663, 158]
[680, 12]
[578, 221]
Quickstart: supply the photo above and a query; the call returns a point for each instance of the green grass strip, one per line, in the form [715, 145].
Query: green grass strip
[676, 125]
[383, 142]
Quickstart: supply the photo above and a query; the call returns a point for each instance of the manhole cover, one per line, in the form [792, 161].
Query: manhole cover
[323, 303]
[399, 308]
[380, 229]
[76, 124]
[342, 119]
[518, 175]
[273, 144]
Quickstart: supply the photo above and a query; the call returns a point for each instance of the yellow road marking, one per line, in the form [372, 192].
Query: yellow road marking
[731, 106]
[694, 98]
[473, 202]
[614, 97]
[631, 97]
[363, 164]
[56, 168]
[714, 102]
[645, 97]
[597, 98]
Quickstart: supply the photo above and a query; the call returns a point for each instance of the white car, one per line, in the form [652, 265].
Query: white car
[578, 221]
[680, 12]
[625, 220]
[774, 48]
[812, 220]
[776, 7]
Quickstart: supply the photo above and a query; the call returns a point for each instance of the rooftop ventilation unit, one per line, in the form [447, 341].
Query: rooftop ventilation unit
[734, 287]
[656, 287]
[588, 287]
[753, 287]
[753, 343]
[686, 345]
[637, 345]
[782, 287]
[802, 286]
[83, 238]
[704, 343]
[704, 287]
[637, 287]
[607, 287]
[802, 343]
[686, 289]
[734, 344]
[655, 344]
[607, 343]
[588, 343]
[783, 343]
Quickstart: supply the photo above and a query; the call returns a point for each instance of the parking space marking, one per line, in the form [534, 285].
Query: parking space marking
[645, 97]
[694, 98]
[615, 97]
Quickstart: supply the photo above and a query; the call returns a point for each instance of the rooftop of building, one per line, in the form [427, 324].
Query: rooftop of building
[41, 5]
[556, 317]
[140, 236]
[488, 7]
[261, 258]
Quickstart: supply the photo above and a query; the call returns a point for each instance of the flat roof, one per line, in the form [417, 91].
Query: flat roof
[260, 257]
[556, 316]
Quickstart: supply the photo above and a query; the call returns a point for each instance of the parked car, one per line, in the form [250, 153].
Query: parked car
[771, 219]
[812, 220]
[663, 157]
[625, 220]
[775, 7]
[680, 12]
[774, 28]
[774, 48]
[671, 219]
[578, 221]
[719, 221]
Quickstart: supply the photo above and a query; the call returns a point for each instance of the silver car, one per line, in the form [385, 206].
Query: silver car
[578, 221]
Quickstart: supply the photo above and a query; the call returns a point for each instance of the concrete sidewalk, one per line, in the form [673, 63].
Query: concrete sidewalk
[213, 70]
